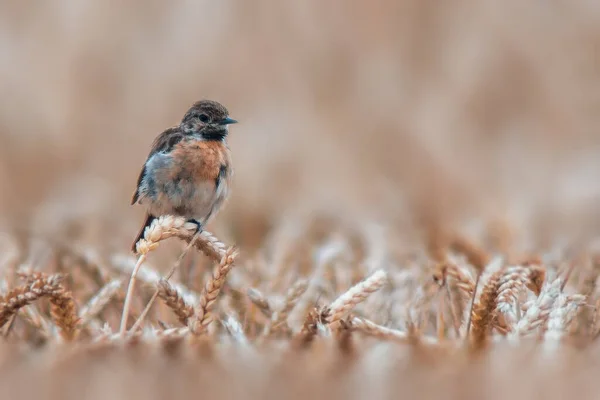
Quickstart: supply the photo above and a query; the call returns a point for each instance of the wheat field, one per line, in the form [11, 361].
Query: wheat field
[415, 209]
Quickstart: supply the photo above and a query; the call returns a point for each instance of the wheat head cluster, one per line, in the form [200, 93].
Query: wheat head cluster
[315, 291]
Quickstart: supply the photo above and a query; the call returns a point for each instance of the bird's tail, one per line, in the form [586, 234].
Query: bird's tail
[149, 219]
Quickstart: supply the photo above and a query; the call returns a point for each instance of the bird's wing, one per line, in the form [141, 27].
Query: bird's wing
[163, 143]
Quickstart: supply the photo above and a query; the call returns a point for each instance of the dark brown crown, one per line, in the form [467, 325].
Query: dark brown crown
[215, 111]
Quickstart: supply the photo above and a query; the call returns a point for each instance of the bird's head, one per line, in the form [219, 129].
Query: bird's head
[207, 119]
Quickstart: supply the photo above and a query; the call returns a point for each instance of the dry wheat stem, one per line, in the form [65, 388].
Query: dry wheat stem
[129, 295]
[126, 265]
[212, 288]
[355, 295]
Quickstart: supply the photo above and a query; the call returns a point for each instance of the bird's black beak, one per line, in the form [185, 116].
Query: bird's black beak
[227, 121]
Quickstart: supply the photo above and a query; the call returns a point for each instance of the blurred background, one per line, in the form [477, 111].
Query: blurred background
[474, 113]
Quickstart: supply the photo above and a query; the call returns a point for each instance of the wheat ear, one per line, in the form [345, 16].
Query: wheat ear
[62, 305]
[291, 299]
[203, 316]
[483, 311]
[539, 310]
[175, 301]
[561, 316]
[64, 312]
[355, 295]
[168, 226]
[25, 295]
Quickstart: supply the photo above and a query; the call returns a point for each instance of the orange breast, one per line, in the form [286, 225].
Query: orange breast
[199, 161]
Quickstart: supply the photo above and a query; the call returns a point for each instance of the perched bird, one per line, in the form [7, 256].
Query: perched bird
[188, 171]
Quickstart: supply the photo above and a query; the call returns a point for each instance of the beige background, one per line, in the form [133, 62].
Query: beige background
[486, 110]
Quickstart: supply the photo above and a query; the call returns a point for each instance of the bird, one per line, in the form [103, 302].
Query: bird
[188, 171]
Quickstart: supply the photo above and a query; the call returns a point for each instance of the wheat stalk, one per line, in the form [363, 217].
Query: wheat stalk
[125, 265]
[129, 295]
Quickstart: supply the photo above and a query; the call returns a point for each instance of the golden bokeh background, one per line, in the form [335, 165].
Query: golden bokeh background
[479, 111]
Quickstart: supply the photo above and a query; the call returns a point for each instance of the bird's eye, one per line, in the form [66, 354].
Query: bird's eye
[203, 117]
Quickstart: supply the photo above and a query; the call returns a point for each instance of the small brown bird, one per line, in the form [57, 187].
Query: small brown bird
[188, 171]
